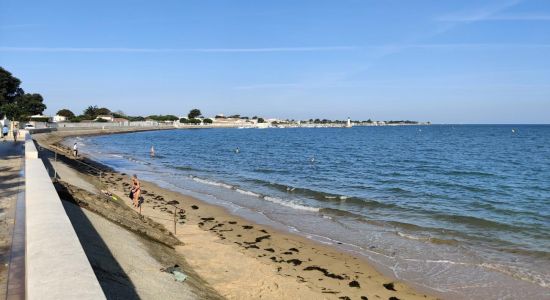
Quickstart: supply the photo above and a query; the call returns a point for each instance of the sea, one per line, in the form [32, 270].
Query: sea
[459, 211]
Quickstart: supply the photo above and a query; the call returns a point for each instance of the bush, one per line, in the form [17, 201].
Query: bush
[261, 120]
[184, 120]
[194, 121]
[40, 119]
[101, 121]
[207, 121]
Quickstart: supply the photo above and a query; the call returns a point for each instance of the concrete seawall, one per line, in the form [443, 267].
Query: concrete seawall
[56, 265]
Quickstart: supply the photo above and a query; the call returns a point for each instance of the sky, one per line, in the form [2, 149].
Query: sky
[482, 61]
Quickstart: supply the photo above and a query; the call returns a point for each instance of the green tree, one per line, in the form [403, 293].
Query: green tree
[103, 111]
[261, 120]
[90, 112]
[207, 121]
[194, 113]
[184, 120]
[65, 113]
[14, 102]
[9, 87]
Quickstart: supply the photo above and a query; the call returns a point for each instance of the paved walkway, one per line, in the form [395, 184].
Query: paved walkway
[11, 183]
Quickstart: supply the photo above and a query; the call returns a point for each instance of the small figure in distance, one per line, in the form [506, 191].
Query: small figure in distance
[237, 150]
[152, 151]
[75, 150]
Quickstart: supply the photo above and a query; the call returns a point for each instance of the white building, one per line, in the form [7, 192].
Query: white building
[108, 118]
[58, 118]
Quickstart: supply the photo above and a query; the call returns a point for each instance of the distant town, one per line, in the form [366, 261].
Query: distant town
[93, 116]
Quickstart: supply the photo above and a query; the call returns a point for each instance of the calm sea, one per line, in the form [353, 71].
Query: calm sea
[463, 210]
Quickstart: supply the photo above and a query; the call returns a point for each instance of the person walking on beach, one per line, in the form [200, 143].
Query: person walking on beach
[75, 150]
[5, 132]
[136, 190]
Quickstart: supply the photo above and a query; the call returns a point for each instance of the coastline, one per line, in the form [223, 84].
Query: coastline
[257, 260]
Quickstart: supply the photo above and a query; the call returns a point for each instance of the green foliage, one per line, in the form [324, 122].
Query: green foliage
[163, 118]
[14, 102]
[41, 119]
[101, 120]
[207, 121]
[103, 111]
[194, 113]
[135, 119]
[194, 121]
[261, 120]
[184, 120]
[65, 113]
[9, 87]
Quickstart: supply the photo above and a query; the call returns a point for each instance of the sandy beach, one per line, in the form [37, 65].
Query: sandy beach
[234, 257]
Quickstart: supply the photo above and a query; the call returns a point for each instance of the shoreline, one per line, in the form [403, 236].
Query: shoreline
[326, 271]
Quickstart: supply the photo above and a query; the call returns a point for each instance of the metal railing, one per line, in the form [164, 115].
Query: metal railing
[100, 179]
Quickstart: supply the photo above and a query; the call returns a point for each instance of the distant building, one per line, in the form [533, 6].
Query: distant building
[108, 118]
[120, 121]
[58, 118]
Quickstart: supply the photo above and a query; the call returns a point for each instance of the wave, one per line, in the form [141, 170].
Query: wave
[280, 201]
[290, 204]
[323, 196]
[210, 182]
[429, 239]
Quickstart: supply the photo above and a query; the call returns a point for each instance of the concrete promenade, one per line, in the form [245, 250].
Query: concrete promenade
[56, 265]
[11, 186]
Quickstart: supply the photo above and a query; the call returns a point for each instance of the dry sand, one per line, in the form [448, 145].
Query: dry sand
[243, 260]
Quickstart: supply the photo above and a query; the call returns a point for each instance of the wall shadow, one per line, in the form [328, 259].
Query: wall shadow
[114, 282]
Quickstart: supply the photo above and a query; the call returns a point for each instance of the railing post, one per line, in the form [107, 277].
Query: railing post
[55, 168]
[175, 220]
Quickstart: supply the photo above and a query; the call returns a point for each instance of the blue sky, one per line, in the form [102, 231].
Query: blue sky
[444, 61]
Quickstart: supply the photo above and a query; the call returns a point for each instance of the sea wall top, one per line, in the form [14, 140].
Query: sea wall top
[56, 265]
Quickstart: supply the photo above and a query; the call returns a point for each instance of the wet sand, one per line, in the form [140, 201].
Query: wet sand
[243, 260]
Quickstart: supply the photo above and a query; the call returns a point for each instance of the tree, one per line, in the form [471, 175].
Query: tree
[91, 112]
[65, 113]
[194, 113]
[9, 87]
[103, 111]
[207, 121]
[14, 102]
[261, 120]
[184, 120]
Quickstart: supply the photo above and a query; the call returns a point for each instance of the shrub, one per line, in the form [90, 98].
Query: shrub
[194, 121]
[207, 121]
[184, 120]
[101, 121]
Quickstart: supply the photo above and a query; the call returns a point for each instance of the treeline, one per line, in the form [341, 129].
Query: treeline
[15, 104]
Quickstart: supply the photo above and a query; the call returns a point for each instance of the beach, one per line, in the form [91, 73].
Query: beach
[236, 257]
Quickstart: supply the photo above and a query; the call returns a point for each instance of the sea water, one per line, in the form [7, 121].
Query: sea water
[461, 210]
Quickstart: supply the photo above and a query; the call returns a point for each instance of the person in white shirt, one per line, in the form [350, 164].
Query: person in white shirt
[75, 150]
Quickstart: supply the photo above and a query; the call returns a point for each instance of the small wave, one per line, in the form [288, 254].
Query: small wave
[469, 173]
[184, 168]
[214, 183]
[253, 194]
[290, 204]
[249, 193]
[432, 240]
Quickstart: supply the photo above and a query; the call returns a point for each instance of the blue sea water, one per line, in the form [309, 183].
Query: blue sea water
[462, 210]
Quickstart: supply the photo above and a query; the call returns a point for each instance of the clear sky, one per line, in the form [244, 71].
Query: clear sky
[482, 61]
